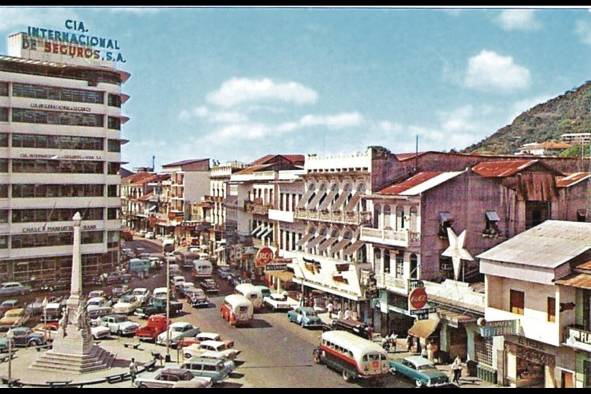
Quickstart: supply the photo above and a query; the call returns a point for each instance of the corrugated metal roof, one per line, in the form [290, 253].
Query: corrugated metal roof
[547, 245]
[572, 179]
[431, 183]
[584, 266]
[183, 162]
[410, 182]
[294, 159]
[501, 168]
[581, 281]
[253, 168]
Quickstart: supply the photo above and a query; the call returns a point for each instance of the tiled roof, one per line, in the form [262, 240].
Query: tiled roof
[294, 159]
[501, 168]
[410, 182]
[572, 179]
[183, 162]
[253, 168]
[138, 177]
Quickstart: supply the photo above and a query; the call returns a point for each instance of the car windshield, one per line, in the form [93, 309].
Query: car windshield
[426, 367]
[128, 298]
[139, 292]
[179, 328]
[309, 312]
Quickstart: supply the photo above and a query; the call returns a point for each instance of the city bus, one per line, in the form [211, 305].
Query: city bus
[202, 269]
[354, 357]
[236, 309]
[252, 293]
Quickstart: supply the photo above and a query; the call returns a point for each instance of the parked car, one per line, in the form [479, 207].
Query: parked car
[217, 349]
[171, 378]
[117, 292]
[13, 288]
[183, 287]
[198, 298]
[157, 306]
[177, 331]
[48, 330]
[203, 336]
[14, 318]
[53, 311]
[177, 280]
[217, 370]
[126, 305]
[155, 325]
[150, 235]
[113, 278]
[353, 326]
[97, 293]
[421, 370]
[97, 301]
[119, 324]
[223, 272]
[141, 293]
[304, 316]
[24, 336]
[34, 308]
[100, 332]
[94, 311]
[209, 286]
[4, 344]
[7, 305]
[160, 293]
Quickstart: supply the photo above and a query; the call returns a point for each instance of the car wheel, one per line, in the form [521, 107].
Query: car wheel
[142, 386]
[119, 332]
[188, 355]
[347, 376]
[419, 383]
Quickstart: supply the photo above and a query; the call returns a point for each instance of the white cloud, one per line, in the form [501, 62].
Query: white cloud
[388, 126]
[583, 30]
[12, 18]
[237, 91]
[521, 19]
[339, 121]
[489, 71]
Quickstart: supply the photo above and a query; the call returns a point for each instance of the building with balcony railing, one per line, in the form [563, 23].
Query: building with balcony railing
[531, 291]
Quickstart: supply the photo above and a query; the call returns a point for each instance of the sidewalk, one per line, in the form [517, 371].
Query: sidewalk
[400, 352]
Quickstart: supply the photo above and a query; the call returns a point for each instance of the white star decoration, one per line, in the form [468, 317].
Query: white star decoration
[456, 251]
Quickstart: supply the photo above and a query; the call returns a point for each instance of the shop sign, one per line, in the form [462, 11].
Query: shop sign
[263, 257]
[578, 339]
[76, 43]
[530, 355]
[414, 283]
[59, 157]
[424, 311]
[276, 267]
[61, 107]
[56, 229]
[417, 298]
[498, 328]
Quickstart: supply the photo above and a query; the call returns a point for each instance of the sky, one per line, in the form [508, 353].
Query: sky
[240, 83]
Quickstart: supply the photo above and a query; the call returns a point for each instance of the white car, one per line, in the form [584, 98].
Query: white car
[97, 301]
[150, 235]
[141, 294]
[160, 293]
[177, 280]
[211, 349]
[280, 302]
[96, 293]
[118, 324]
[171, 378]
[100, 332]
[213, 336]
[177, 331]
[127, 304]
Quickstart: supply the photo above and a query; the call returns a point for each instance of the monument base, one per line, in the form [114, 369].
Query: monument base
[95, 360]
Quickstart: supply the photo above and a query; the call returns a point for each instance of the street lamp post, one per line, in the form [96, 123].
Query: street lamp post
[167, 310]
[10, 336]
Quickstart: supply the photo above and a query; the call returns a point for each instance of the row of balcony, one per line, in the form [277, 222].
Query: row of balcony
[402, 238]
[355, 218]
[257, 207]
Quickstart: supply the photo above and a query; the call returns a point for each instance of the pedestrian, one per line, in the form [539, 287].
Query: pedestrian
[340, 314]
[347, 314]
[418, 350]
[409, 343]
[329, 308]
[456, 367]
[132, 370]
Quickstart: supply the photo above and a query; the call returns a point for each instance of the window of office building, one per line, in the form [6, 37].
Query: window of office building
[112, 191]
[55, 215]
[4, 139]
[3, 190]
[19, 241]
[57, 166]
[112, 213]
[57, 93]
[3, 165]
[57, 117]
[3, 114]
[56, 142]
[3, 215]
[114, 145]
[50, 191]
[113, 168]
[114, 100]
[3, 88]
[3, 241]
[112, 239]
[516, 302]
[551, 309]
[96, 76]
[114, 123]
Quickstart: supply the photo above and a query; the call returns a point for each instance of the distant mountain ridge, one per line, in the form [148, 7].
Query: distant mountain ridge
[567, 113]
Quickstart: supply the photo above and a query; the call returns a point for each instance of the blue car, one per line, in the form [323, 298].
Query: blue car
[305, 317]
[421, 370]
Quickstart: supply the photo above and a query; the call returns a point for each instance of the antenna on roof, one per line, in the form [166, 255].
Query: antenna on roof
[416, 153]
[153, 163]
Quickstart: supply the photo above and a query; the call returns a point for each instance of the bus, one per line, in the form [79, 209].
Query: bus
[252, 293]
[168, 245]
[237, 310]
[202, 269]
[354, 357]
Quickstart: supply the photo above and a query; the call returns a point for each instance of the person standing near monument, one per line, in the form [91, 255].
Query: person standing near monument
[132, 370]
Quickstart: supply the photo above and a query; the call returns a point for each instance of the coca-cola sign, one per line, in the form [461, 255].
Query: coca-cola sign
[263, 257]
[417, 298]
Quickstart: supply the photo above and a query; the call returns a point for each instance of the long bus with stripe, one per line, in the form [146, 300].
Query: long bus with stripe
[353, 356]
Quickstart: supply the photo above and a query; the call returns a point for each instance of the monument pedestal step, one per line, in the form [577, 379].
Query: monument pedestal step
[97, 359]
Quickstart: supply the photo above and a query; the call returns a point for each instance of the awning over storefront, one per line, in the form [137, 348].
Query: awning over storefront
[354, 247]
[353, 202]
[337, 205]
[315, 241]
[340, 245]
[305, 239]
[455, 318]
[327, 200]
[257, 229]
[326, 243]
[261, 230]
[266, 232]
[423, 328]
[581, 281]
[284, 276]
[304, 199]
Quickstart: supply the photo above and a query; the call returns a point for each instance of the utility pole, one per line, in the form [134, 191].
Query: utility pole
[167, 310]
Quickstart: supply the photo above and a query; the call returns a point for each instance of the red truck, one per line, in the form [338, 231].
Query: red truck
[156, 325]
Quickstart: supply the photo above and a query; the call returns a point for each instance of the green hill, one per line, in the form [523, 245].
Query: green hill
[567, 113]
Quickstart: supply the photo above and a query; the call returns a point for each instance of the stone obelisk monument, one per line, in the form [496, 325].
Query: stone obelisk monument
[73, 350]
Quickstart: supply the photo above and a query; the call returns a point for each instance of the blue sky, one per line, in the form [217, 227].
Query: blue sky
[239, 83]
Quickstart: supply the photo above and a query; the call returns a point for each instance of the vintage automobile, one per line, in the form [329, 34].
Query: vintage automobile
[279, 302]
[14, 318]
[100, 332]
[4, 344]
[198, 298]
[155, 325]
[183, 287]
[127, 304]
[96, 293]
[52, 311]
[209, 286]
[7, 305]
[203, 336]
[117, 292]
[13, 288]
[97, 301]
[171, 378]
[158, 305]
[217, 370]
[34, 308]
[94, 311]
[353, 326]
[304, 316]
[24, 336]
[177, 331]
[119, 324]
[141, 293]
[207, 347]
[421, 370]
[48, 330]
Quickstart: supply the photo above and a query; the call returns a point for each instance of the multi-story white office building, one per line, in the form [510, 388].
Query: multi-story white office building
[60, 153]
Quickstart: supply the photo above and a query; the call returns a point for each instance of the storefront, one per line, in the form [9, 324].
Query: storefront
[529, 363]
[391, 314]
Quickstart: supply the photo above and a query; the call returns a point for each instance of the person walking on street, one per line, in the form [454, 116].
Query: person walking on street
[347, 314]
[132, 370]
[456, 367]
[409, 343]
[330, 308]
